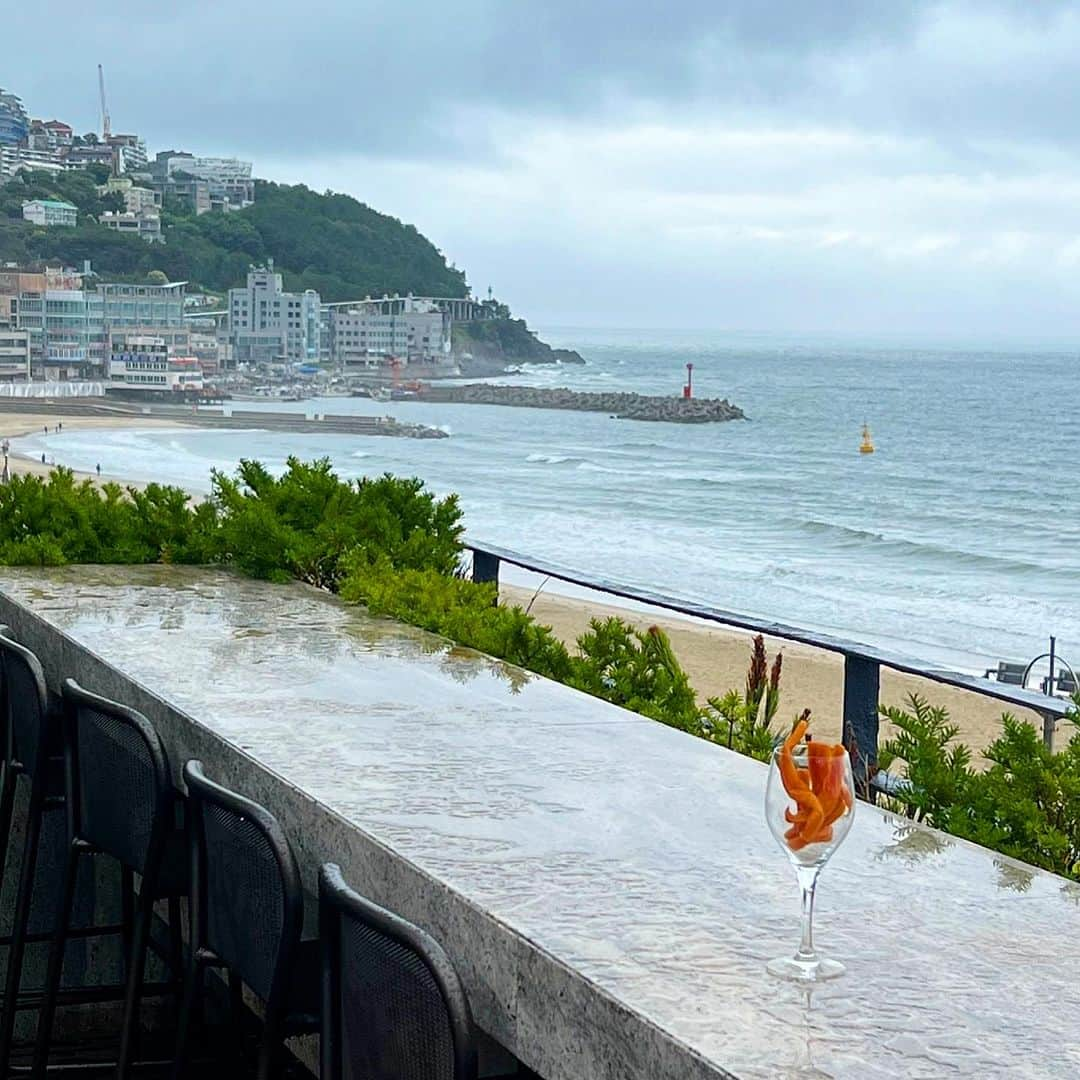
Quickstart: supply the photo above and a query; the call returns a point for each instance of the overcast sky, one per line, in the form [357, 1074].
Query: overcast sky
[815, 165]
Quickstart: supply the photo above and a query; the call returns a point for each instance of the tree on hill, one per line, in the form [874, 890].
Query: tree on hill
[329, 242]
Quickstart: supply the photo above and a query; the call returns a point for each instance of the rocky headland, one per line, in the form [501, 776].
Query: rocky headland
[488, 347]
[623, 406]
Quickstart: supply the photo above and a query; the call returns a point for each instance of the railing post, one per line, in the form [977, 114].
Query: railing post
[862, 683]
[1049, 721]
[485, 566]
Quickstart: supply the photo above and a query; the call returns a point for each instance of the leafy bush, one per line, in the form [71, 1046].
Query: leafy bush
[58, 520]
[636, 669]
[457, 608]
[1026, 804]
[302, 524]
[939, 772]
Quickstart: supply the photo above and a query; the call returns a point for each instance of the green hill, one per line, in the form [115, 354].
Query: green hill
[330, 242]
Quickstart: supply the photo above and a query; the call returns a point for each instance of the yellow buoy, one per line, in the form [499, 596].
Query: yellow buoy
[867, 445]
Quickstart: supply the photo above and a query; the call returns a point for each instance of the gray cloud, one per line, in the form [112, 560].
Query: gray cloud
[383, 80]
[798, 163]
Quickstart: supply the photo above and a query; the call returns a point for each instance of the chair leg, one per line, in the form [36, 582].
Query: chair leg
[7, 805]
[192, 983]
[56, 966]
[271, 1048]
[127, 914]
[140, 935]
[176, 945]
[21, 920]
[236, 1011]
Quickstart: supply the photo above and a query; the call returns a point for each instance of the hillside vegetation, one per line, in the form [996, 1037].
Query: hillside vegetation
[329, 242]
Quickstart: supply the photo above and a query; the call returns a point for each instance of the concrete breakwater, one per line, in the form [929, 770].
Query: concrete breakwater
[624, 406]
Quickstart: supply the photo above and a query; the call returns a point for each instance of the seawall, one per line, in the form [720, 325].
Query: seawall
[624, 406]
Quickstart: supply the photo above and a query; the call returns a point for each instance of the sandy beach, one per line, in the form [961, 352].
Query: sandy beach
[716, 659]
[14, 425]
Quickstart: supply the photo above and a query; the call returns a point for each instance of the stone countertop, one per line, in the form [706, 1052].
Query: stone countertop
[634, 855]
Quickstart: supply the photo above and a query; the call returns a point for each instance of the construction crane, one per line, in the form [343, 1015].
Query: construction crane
[105, 128]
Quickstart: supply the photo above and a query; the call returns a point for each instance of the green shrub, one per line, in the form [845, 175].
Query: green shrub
[636, 669]
[301, 524]
[1025, 804]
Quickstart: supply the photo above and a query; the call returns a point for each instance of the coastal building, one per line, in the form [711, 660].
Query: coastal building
[360, 335]
[229, 183]
[142, 365]
[50, 213]
[14, 123]
[269, 325]
[145, 224]
[71, 324]
[16, 159]
[154, 310]
[14, 354]
[82, 154]
[137, 199]
[51, 135]
[185, 191]
[128, 153]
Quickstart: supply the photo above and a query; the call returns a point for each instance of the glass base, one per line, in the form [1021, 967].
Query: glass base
[792, 968]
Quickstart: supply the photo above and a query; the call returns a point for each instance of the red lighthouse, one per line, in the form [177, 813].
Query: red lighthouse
[688, 389]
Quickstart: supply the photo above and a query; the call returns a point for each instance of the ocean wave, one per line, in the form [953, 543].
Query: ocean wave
[555, 459]
[927, 552]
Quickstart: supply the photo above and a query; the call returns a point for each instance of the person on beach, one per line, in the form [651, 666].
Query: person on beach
[60, 426]
[43, 456]
[99, 470]
[46, 429]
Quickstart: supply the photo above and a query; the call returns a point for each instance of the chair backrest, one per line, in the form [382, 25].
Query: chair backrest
[31, 733]
[1012, 674]
[118, 784]
[249, 906]
[393, 1005]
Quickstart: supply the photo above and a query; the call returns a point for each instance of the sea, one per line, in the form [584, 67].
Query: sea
[956, 543]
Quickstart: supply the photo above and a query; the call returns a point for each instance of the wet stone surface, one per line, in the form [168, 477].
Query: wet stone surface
[635, 856]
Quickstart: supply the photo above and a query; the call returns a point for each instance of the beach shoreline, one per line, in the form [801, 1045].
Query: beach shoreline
[17, 425]
[715, 657]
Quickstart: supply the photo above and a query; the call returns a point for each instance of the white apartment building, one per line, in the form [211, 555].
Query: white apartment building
[50, 212]
[140, 363]
[361, 335]
[268, 325]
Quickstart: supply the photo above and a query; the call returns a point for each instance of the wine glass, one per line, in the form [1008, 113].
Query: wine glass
[809, 806]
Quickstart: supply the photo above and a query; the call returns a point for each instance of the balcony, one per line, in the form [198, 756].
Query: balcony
[604, 885]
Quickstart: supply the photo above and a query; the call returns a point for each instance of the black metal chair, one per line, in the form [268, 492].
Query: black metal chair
[120, 802]
[246, 915]
[31, 745]
[393, 1005]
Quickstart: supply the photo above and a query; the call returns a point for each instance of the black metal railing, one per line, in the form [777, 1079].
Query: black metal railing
[862, 663]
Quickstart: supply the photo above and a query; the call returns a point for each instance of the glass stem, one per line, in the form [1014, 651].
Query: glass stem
[808, 876]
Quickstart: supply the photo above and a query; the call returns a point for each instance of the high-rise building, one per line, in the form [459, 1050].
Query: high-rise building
[267, 324]
[14, 123]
